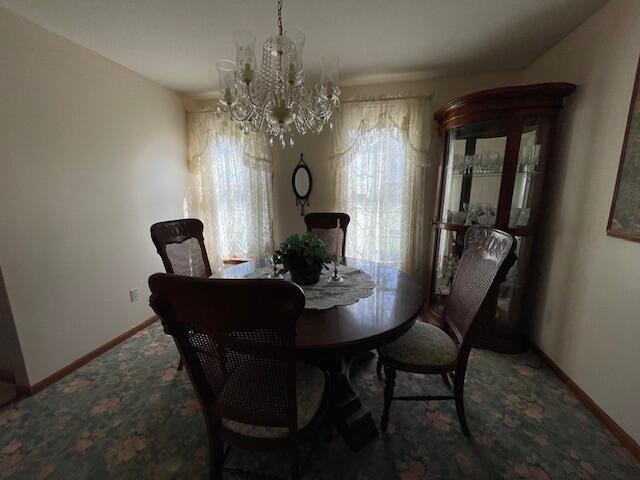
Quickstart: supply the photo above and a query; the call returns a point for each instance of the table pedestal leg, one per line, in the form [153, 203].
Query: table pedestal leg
[354, 423]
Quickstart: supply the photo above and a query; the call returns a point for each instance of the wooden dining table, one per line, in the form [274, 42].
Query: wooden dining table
[338, 337]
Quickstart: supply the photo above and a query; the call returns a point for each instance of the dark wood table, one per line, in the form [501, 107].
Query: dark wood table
[337, 336]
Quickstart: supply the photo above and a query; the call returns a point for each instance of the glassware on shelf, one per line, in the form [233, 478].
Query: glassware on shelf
[528, 157]
[459, 218]
[487, 216]
[514, 217]
[523, 218]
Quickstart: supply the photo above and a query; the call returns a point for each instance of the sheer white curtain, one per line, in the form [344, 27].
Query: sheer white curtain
[381, 163]
[231, 188]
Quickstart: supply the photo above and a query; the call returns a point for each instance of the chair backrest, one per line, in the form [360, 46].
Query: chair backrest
[330, 227]
[487, 256]
[180, 244]
[237, 338]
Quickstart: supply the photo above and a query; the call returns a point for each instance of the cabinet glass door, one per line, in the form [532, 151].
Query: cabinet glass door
[473, 172]
[528, 179]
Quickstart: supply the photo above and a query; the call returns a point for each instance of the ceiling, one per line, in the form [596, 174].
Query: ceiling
[176, 42]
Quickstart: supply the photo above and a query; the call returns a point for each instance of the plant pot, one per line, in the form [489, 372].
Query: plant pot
[305, 276]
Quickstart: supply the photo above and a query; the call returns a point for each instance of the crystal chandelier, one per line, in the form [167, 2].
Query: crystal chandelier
[276, 98]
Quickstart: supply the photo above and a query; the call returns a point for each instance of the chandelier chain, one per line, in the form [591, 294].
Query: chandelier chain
[280, 17]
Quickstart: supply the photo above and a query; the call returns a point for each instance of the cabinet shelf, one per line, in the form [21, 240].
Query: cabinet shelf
[520, 231]
[492, 174]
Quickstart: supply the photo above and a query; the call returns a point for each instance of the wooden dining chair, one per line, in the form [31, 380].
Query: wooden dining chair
[180, 244]
[488, 254]
[331, 227]
[237, 338]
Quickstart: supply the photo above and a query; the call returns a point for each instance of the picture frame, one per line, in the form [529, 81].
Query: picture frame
[624, 216]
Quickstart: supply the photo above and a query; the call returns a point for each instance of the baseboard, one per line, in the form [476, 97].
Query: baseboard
[42, 384]
[623, 437]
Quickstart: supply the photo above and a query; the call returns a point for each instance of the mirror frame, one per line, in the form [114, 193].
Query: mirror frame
[301, 200]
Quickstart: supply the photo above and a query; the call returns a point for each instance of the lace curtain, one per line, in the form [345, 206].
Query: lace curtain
[231, 188]
[381, 166]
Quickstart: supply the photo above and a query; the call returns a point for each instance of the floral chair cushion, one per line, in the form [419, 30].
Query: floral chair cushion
[310, 386]
[423, 345]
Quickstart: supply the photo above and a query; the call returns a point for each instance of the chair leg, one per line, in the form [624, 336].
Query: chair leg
[216, 457]
[458, 393]
[445, 379]
[379, 367]
[295, 467]
[389, 385]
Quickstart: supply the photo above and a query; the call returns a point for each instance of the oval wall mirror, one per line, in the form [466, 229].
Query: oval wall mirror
[302, 182]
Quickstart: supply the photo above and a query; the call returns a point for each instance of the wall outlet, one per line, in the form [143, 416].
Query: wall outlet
[134, 295]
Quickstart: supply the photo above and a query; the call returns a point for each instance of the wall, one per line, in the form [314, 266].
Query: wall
[91, 155]
[588, 299]
[318, 148]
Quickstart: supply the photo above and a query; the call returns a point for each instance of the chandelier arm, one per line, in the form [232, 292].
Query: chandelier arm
[310, 111]
[237, 118]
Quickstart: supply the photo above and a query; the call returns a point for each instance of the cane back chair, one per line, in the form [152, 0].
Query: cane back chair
[180, 244]
[331, 228]
[488, 255]
[237, 338]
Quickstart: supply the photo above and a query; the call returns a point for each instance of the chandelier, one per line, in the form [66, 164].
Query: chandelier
[275, 98]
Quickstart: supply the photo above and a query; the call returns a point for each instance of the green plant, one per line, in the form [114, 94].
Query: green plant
[304, 253]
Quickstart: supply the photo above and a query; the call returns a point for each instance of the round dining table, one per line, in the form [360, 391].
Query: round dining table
[338, 336]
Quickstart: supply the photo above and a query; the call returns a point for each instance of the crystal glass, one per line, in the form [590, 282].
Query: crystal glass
[329, 75]
[226, 75]
[272, 261]
[335, 277]
[245, 55]
[293, 53]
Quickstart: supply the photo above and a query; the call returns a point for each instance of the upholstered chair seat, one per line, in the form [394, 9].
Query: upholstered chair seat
[310, 390]
[423, 345]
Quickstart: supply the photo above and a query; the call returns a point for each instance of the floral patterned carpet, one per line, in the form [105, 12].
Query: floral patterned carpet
[130, 415]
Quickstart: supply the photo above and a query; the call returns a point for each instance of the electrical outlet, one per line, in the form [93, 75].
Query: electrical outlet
[134, 295]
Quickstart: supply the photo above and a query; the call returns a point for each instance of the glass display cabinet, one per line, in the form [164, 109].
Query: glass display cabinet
[497, 147]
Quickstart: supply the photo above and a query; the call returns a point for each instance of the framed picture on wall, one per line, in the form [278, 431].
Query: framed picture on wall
[624, 218]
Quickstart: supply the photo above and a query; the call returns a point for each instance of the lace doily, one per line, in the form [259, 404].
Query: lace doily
[324, 294]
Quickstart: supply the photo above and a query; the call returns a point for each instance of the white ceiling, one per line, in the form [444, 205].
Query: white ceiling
[176, 42]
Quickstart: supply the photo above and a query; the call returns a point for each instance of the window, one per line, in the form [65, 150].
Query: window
[380, 161]
[375, 197]
[231, 190]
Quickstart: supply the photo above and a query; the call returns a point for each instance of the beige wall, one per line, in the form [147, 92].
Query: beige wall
[91, 154]
[317, 148]
[588, 315]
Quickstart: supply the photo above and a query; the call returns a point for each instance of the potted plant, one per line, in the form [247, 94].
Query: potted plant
[304, 256]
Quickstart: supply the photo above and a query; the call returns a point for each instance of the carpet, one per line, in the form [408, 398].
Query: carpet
[130, 415]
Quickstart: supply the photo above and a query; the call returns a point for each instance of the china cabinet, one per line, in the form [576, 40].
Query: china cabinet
[497, 147]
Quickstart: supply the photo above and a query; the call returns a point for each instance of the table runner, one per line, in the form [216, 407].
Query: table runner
[324, 294]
